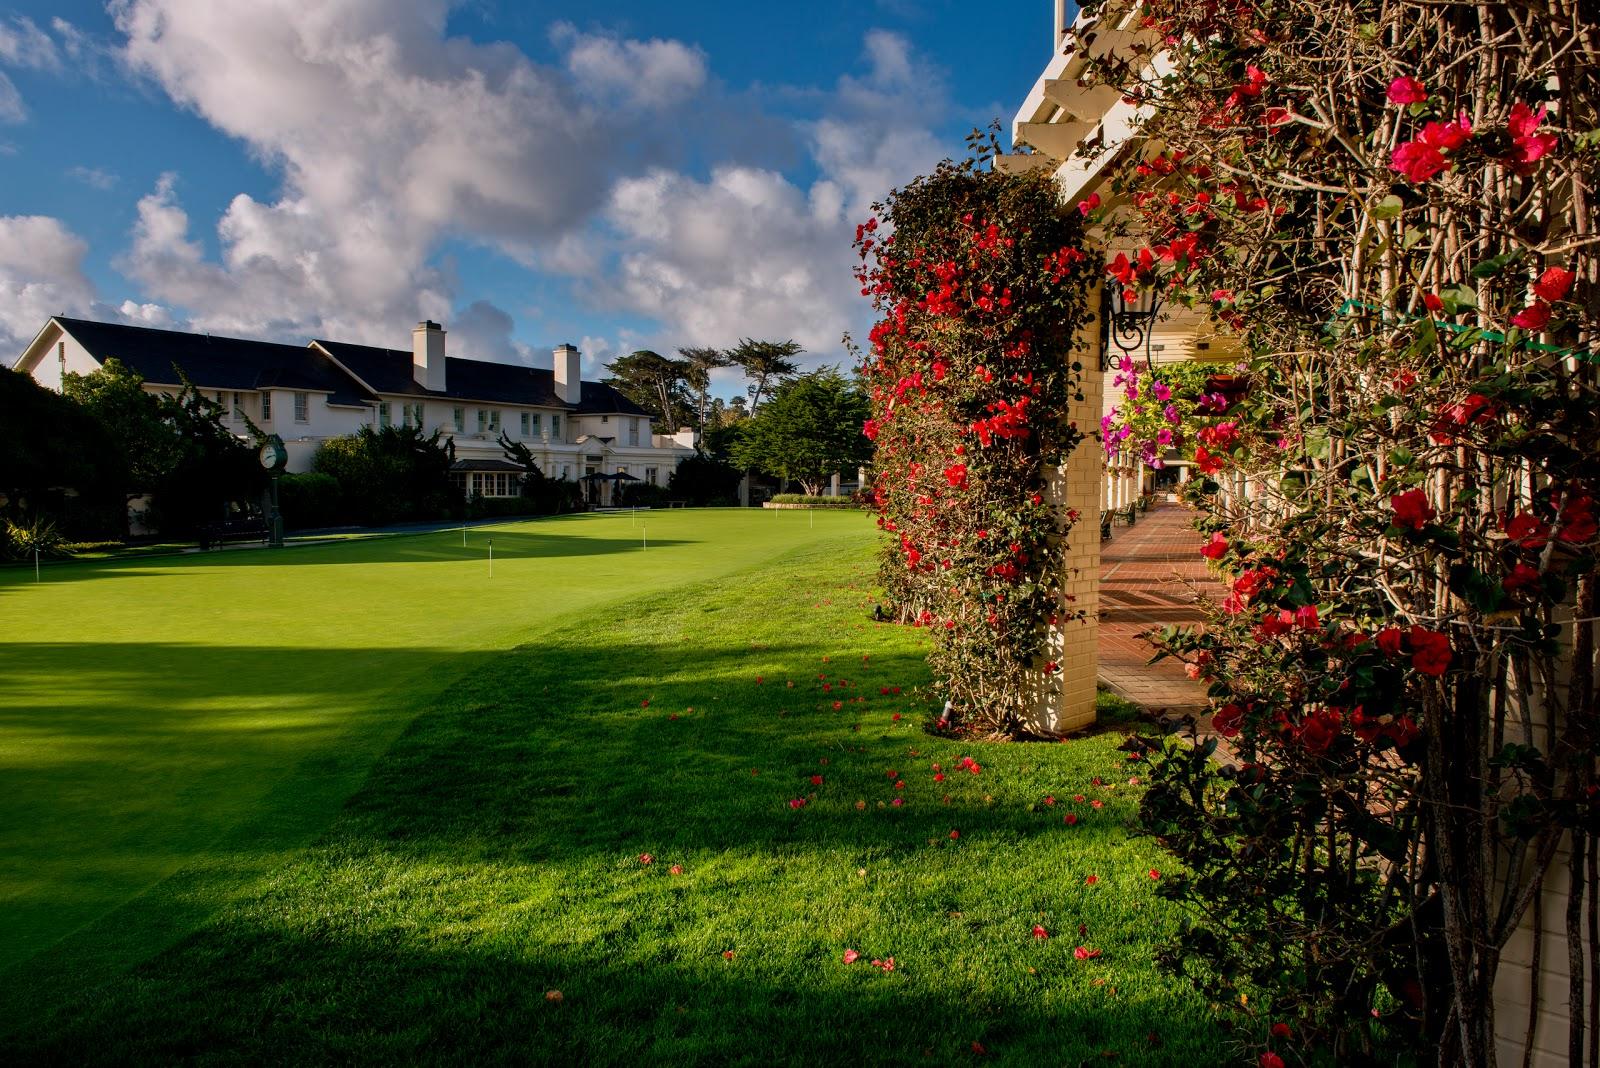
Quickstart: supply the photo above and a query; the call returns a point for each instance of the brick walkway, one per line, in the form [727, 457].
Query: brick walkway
[1149, 575]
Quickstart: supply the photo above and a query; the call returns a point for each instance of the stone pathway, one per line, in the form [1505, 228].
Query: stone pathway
[1149, 573]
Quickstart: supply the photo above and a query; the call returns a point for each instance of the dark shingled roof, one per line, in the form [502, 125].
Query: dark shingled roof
[215, 362]
[389, 371]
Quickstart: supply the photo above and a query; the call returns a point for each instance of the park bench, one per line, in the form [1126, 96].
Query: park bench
[1105, 524]
[246, 528]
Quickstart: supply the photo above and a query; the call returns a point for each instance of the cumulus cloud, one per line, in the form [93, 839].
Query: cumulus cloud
[41, 274]
[750, 253]
[651, 74]
[390, 138]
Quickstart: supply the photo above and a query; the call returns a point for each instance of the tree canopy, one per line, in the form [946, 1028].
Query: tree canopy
[656, 383]
[809, 430]
[765, 364]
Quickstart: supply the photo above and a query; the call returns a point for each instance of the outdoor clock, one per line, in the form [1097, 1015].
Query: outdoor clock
[274, 457]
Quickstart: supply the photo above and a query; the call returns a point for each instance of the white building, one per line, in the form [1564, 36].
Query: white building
[308, 394]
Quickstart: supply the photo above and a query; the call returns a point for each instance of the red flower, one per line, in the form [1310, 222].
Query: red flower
[646, 858]
[1430, 651]
[1090, 880]
[851, 956]
[1085, 953]
[1306, 617]
[1227, 719]
[1281, 1030]
[1270, 1059]
[1154, 874]
[1086, 206]
[1577, 521]
[1417, 162]
[1406, 90]
[1432, 302]
[1411, 509]
[1447, 136]
[816, 780]
[1526, 530]
[1040, 932]
[954, 834]
[1534, 317]
[1216, 548]
[1521, 577]
[676, 869]
[1528, 146]
[1206, 462]
[956, 475]
[1390, 640]
[1553, 284]
[1070, 818]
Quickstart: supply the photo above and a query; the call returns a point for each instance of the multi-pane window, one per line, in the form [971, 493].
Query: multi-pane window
[525, 432]
[633, 432]
[458, 417]
[533, 421]
[650, 476]
[483, 420]
[383, 413]
[302, 408]
[604, 419]
[238, 407]
[414, 415]
[266, 407]
[555, 427]
[494, 421]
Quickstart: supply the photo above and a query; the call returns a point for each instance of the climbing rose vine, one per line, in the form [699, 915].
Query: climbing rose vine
[980, 281]
[1390, 201]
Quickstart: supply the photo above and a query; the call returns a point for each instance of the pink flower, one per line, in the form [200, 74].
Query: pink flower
[1040, 932]
[1447, 136]
[1406, 90]
[897, 802]
[646, 858]
[797, 802]
[1086, 206]
[676, 869]
[1553, 284]
[1085, 953]
[851, 956]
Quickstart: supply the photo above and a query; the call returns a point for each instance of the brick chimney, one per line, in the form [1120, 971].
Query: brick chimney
[568, 368]
[427, 355]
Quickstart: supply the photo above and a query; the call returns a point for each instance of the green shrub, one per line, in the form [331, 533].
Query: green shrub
[312, 500]
[821, 500]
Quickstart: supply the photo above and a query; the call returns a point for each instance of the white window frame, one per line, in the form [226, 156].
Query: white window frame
[458, 417]
[266, 407]
[384, 416]
[302, 407]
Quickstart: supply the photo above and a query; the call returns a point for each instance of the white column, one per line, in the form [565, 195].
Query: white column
[1065, 700]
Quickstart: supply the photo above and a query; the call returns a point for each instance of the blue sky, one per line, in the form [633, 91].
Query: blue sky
[619, 176]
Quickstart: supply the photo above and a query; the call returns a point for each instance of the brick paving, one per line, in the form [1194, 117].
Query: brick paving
[1150, 576]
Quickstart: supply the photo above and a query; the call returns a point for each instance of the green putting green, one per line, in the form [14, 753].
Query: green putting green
[150, 709]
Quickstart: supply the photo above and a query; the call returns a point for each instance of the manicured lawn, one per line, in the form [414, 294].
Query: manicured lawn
[362, 802]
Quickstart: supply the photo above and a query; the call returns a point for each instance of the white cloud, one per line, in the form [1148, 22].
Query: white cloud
[24, 44]
[750, 253]
[94, 177]
[41, 274]
[651, 74]
[390, 137]
[12, 108]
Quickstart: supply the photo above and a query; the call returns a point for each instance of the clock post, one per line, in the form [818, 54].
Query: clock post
[274, 458]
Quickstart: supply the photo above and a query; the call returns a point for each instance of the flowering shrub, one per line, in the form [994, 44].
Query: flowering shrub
[980, 284]
[1157, 409]
[1390, 203]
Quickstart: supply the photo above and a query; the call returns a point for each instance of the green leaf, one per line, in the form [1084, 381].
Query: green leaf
[1389, 207]
[1495, 264]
